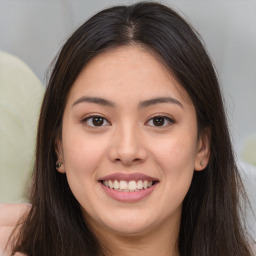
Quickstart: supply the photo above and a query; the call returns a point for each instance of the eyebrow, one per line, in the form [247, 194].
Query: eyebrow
[95, 100]
[143, 104]
[154, 101]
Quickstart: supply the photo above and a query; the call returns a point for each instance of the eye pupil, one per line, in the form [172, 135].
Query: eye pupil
[158, 121]
[97, 121]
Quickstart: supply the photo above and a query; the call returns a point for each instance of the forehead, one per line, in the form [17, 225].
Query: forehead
[129, 70]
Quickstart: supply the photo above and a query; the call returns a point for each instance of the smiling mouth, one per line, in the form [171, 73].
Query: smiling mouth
[129, 186]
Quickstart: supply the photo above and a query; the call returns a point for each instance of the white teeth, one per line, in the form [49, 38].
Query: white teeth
[139, 184]
[110, 184]
[132, 185]
[116, 184]
[128, 186]
[123, 184]
[145, 184]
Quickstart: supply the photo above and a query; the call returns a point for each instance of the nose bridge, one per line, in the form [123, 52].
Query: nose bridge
[127, 145]
[128, 137]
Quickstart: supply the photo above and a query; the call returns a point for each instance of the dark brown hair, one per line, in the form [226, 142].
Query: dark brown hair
[210, 223]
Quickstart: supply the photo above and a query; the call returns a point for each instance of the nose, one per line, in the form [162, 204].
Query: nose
[127, 146]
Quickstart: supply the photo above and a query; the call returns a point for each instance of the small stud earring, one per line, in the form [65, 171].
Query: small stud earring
[202, 163]
[58, 165]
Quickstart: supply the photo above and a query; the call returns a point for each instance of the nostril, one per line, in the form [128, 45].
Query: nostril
[129, 161]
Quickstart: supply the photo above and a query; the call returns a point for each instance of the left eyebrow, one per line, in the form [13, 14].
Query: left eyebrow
[154, 101]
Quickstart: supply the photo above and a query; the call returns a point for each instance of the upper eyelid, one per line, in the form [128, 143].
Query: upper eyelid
[154, 116]
[93, 115]
[166, 117]
[169, 119]
[86, 118]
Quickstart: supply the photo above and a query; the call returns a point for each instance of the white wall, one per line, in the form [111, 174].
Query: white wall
[34, 30]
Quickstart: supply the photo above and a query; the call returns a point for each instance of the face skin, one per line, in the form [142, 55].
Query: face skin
[129, 138]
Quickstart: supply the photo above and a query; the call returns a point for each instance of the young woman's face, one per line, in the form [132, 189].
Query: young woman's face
[129, 143]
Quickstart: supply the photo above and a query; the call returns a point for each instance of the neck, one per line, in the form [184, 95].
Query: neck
[162, 241]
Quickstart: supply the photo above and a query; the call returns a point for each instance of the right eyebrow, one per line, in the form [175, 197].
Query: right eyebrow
[95, 100]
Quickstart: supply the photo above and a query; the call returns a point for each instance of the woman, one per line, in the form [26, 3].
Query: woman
[133, 151]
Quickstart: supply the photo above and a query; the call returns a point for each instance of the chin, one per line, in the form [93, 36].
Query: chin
[129, 225]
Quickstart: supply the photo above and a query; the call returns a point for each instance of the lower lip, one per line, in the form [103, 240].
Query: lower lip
[128, 196]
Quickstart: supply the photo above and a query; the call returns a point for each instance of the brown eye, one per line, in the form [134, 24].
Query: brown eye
[95, 121]
[160, 121]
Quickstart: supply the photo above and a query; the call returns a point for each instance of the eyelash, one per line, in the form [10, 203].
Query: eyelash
[86, 120]
[167, 120]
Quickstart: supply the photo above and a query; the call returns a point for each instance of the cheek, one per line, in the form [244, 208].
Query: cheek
[176, 152]
[81, 150]
[175, 157]
[82, 156]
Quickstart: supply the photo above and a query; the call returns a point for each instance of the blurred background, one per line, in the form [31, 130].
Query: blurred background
[32, 32]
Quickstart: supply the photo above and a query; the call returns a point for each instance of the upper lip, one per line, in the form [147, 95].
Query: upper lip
[128, 176]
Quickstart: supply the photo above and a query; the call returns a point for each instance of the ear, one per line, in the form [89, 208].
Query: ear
[203, 150]
[60, 167]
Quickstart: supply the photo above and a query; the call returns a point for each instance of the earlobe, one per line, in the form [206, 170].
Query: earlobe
[60, 167]
[203, 150]
[59, 154]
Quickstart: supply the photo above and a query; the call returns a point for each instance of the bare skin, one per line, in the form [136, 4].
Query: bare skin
[10, 214]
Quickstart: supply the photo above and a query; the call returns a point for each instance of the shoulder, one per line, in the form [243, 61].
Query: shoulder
[10, 215]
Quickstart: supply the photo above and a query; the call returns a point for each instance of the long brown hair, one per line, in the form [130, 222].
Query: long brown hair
[210, 223]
